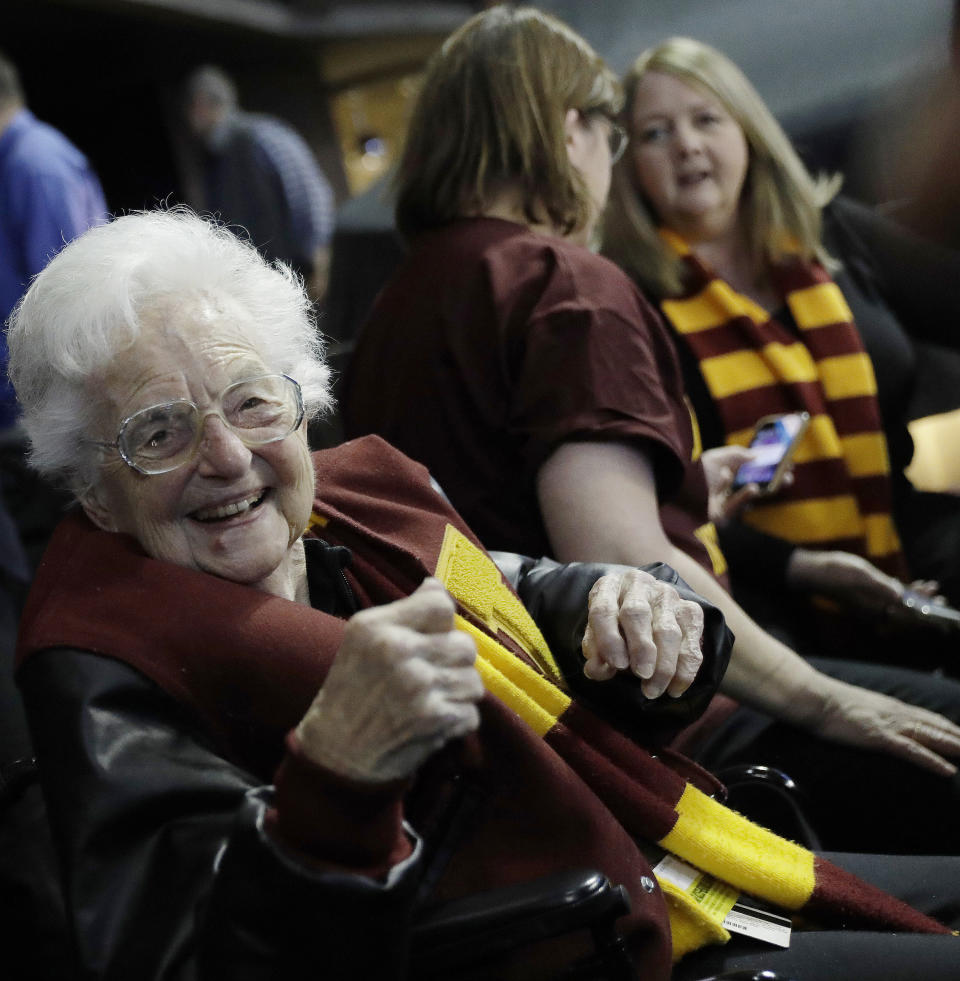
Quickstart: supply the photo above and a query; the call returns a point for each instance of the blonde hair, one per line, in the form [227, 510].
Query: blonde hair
[491, 111]
[782, 202]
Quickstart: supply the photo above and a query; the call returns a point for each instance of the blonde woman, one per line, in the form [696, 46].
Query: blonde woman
[808, 298]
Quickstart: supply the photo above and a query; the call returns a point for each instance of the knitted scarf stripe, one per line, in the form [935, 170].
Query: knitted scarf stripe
[753, 366]
[654, 805]
[715, 839]
[696, 828]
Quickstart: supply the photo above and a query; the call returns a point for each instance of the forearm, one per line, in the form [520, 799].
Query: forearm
[762, 672]
[615, 518]
[562, 600]
[599, 504]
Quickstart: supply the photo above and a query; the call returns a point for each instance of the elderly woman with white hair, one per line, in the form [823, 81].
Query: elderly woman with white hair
[236, 658]
[261, 721]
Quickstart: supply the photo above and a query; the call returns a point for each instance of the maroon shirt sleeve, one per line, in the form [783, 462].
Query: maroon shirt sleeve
[597, 364]
[334, 822]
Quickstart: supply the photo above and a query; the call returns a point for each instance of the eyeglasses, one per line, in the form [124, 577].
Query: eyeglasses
[617, 137]
[618, 140]
[160, 438]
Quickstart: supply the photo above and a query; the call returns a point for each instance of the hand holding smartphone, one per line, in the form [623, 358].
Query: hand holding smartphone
[775, 441]
[917, 607]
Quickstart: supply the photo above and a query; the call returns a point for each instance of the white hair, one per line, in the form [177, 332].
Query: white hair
[88, 304]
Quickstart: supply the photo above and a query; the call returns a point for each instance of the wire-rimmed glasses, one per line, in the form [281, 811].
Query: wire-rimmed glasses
[259, 410]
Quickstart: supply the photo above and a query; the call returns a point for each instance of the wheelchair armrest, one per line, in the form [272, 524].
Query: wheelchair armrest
[489, 924]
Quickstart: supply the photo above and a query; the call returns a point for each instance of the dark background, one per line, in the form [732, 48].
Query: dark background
[842, 76]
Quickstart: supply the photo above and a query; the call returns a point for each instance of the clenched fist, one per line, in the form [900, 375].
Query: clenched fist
[401, 686]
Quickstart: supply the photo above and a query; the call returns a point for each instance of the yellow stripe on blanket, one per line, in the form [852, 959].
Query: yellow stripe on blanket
[538, 702]
[741, 853]
[691, 927]
[474, 580]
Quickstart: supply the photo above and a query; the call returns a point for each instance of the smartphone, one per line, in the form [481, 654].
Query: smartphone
[775, 439]
[919, 608]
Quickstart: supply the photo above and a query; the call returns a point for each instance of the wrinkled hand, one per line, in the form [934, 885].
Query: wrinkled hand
[720, 466]
[402, 684]
[859, 717]
[843, 576]
[640, 623]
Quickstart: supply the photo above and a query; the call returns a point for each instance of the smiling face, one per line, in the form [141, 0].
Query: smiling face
[234, 511]
[689, 157]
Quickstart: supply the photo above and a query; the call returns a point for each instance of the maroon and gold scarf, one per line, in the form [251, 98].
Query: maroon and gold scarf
[753, 366]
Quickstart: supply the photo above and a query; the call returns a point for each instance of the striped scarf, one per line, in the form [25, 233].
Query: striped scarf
[679, 817]
[753, 366]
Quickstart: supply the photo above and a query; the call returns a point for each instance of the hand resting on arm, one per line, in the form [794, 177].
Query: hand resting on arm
[639, 623]
[599, 503]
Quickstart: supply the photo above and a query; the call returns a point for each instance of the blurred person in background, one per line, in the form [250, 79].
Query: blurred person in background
[783, 297]
[49, 194]
[261, 176]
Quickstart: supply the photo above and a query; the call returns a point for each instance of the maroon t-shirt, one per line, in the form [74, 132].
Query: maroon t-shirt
[493, 345]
